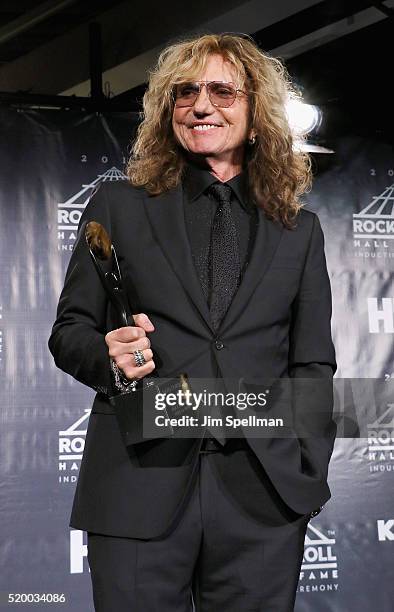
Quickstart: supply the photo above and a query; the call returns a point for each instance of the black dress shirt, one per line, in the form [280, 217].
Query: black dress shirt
[200, 208]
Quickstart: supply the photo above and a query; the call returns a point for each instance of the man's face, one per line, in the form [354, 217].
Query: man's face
[225, 141]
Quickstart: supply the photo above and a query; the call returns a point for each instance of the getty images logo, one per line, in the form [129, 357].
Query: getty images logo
[381, 315]
[319, 569]
[71, 447]
[69, 212]
[373, 226]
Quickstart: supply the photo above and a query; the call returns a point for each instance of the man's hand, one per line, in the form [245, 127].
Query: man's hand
[123, 341]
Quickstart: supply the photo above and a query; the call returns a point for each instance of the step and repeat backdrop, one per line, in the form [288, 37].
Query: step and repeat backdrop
[50, 163]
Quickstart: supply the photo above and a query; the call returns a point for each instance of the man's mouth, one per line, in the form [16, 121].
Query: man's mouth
[203, 127]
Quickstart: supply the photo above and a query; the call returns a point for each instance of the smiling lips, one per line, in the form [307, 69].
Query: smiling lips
[203, 127]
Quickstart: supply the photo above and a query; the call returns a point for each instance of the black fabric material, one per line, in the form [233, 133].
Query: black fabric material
[278, 325]
[224, 268]
[199, 212]
[200, 209]
[224, 558]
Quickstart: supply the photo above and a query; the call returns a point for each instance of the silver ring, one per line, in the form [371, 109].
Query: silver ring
[139, 358]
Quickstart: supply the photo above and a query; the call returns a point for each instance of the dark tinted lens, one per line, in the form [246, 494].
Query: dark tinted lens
[222, 90]
[187, 91]
[222, 94]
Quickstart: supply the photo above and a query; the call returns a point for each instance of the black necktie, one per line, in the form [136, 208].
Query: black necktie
[225, 268]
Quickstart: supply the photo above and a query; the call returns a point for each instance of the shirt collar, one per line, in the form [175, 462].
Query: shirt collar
[197, 180]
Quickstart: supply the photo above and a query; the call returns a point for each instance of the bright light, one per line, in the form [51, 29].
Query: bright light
[303, 118]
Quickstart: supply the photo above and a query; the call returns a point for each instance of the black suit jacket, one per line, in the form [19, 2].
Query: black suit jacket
[278, 325]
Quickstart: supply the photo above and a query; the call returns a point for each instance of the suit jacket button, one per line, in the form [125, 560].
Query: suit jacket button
[219, 344]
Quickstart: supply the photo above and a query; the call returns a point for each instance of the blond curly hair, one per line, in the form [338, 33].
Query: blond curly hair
[278, 172]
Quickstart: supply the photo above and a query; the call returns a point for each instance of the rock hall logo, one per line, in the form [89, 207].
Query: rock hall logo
[373, 227]
[69, 212]
[319, 569]
[381, 442]
[71, 446]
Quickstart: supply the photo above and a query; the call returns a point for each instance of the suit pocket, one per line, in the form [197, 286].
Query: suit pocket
[286, 262]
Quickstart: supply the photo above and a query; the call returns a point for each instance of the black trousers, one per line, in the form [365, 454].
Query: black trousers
[221, 555]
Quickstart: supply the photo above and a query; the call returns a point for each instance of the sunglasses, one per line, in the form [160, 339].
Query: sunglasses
[220, 93]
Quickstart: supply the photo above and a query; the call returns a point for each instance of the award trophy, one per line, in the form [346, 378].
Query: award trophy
[128, 405]
[106, 263]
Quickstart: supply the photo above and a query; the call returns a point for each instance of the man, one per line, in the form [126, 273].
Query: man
[229, 278]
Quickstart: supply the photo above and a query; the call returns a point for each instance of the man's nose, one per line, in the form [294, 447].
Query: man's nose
[203, 103]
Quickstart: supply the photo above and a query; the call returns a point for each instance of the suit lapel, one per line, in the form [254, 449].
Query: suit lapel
[165, 213]
[267, 240]
[166, 216]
